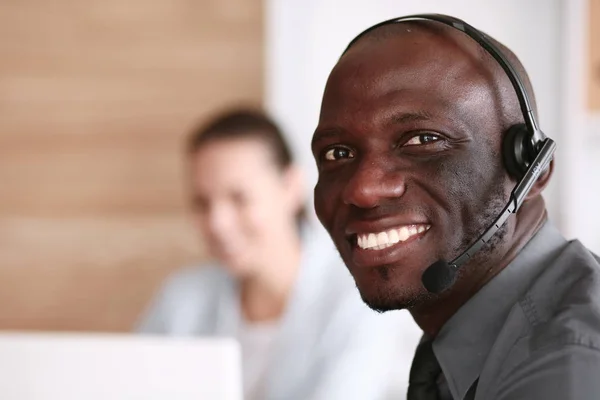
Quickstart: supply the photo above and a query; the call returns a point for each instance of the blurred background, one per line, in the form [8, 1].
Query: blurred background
[97, 96]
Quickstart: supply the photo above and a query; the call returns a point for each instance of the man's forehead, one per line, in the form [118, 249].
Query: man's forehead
[431, 31]
[404, 74]
[398, 42]
[402, 65]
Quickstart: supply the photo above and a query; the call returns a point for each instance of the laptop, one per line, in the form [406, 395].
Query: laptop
[49, 366]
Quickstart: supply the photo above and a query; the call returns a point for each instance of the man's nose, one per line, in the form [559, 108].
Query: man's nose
[371, 182]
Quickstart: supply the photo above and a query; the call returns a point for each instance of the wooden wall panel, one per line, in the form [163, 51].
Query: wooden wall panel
[95, 99]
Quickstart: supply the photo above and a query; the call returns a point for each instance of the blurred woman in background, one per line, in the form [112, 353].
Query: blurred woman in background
[276, 283]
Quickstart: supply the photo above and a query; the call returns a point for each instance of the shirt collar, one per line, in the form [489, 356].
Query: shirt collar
[464, 342]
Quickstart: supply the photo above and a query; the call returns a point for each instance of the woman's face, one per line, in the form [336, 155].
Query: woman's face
[243, 203]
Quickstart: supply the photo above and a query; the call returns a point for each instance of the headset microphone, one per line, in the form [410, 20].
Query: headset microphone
[440, 275]
[527, 151]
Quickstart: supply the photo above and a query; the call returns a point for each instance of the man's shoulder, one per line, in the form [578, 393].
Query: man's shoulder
[553, 331]
[562, 307]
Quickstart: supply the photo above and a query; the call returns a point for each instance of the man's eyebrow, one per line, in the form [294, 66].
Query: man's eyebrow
[405, 117]
[398, 118]
[324, 133]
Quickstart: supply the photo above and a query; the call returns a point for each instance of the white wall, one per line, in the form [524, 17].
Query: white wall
[305, 38]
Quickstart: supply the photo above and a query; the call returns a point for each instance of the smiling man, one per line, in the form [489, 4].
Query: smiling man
[414, 148]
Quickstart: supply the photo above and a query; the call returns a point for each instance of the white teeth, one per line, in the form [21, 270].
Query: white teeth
[403, 233]
[393, 235]
[371, 241]
[381, 240]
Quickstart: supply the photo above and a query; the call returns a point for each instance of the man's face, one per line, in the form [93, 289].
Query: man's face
[408, 154]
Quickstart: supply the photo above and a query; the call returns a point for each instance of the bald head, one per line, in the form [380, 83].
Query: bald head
[457, 41]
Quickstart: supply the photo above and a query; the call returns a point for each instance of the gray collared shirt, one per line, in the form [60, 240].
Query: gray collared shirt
[533, 332]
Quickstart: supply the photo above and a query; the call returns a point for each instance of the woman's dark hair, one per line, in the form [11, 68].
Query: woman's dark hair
[241, 124]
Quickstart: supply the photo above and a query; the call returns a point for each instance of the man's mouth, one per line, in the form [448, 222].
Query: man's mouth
[388, 238]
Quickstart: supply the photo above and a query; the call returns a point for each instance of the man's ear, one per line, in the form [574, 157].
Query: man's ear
[541, 183]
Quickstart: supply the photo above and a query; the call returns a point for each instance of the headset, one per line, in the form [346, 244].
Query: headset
[526, 151]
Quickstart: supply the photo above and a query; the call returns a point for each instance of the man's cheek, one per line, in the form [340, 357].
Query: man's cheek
[457, 176]
[319, 203]
[324, 207]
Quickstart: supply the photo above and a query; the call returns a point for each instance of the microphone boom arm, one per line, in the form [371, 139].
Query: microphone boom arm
[539, 164]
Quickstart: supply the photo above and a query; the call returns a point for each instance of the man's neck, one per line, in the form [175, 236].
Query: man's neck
[432, 316]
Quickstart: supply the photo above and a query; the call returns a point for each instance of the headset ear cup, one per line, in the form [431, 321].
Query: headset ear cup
[515, 150]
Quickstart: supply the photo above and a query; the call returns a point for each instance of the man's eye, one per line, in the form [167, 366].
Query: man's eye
[338, 153]
[422, 139]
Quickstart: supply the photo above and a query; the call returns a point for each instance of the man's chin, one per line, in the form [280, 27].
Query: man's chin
[384, 295]
[382, 303]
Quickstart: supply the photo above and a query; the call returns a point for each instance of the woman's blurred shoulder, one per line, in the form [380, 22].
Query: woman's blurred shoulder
[184, 301]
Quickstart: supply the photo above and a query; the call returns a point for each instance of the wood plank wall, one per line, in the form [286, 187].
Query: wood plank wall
[95, 98]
